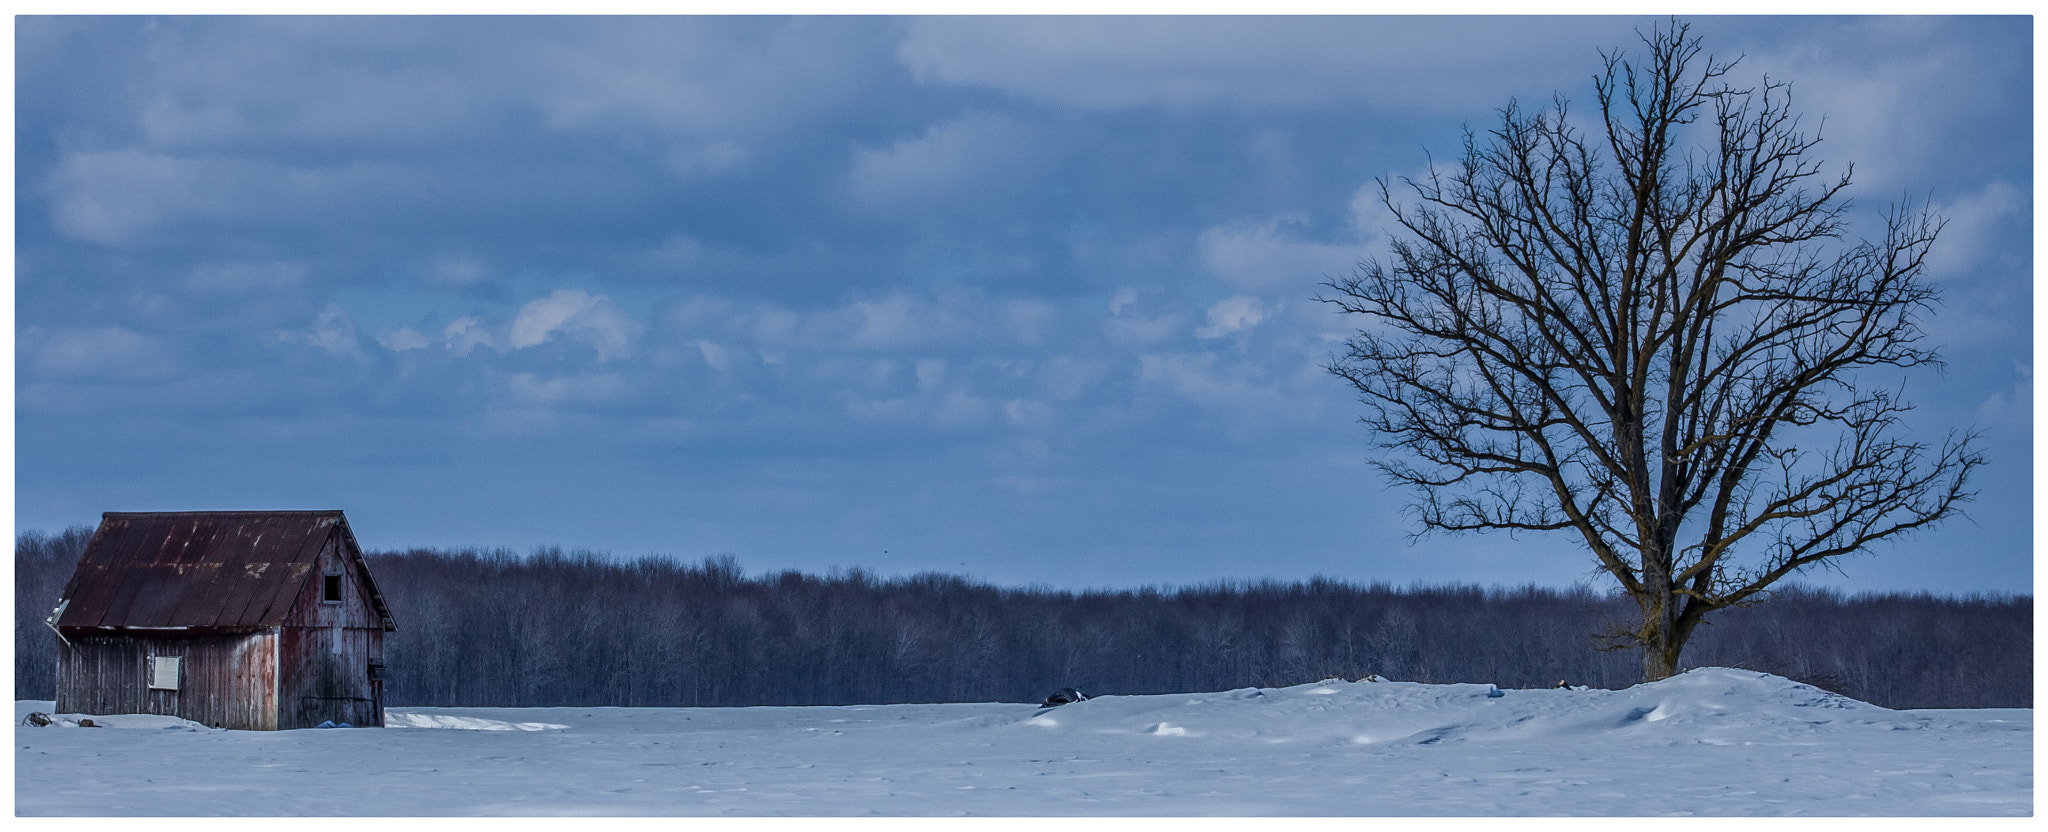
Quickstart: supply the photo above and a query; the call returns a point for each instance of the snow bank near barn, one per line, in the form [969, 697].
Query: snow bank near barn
[1712, 742]
[398, 719]
[143, 721]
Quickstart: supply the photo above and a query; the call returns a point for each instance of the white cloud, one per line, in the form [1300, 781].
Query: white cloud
[1370, 216]
[1142, 319]
[1894, 95]
[1124, 297]
[110, 198]
[237, 80]
[129, 197]
[962, 159]
[677, 250]
[934, 406]
[574, 313]
[400, 340]
[891, 319]
[1028, 320]
[1234, 314]
[716, 356]
[710, 159]
[1138, 330]
[1972, 226]
[95, 352]
[455, 270]
[465, 334]
[531, 389]
[540, 318]
[236, 278]
[1432, 65]
[931, 372]
[332, 332]
[958, 408]
[1028, 414]
[894, 321]
[702, 85]
[2013, 406]
[1198, 376]
[571, 314]
[711, 90]
[459, 337]
[1066, 378]
[1270, 254]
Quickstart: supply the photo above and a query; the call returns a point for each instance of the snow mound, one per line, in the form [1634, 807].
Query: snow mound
[396, 719]
[1710, 742]
[143, 721]
[1708, 705]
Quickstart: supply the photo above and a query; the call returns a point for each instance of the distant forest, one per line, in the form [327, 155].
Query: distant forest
[492, 628]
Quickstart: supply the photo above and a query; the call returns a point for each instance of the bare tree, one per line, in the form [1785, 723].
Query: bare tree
[1652, 335]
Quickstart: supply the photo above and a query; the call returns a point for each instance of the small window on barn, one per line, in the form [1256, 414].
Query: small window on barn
[330, 589]
[163, 673]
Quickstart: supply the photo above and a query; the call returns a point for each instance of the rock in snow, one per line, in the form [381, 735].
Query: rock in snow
[1709, 742]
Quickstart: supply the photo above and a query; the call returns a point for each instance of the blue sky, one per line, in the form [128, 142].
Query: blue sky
[1023, 299]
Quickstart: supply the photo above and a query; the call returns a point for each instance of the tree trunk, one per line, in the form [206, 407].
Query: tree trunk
[1660, 657]
[1661, 640]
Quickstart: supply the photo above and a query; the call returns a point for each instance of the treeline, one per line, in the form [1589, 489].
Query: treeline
[491, 628]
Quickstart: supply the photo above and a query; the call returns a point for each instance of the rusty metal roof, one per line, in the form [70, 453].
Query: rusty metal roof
[203, 570]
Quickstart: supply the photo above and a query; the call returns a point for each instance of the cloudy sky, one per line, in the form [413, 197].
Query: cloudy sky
[1025, 299]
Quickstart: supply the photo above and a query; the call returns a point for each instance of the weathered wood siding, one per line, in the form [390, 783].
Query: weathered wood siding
[326, 676]
[325, 651]
[227, 681]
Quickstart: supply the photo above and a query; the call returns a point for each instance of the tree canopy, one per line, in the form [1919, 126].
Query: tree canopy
[1651, 333]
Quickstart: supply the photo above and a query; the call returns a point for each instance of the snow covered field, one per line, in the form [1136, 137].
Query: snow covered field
[1708, 742]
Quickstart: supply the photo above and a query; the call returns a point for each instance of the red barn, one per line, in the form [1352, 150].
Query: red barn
[236, 619]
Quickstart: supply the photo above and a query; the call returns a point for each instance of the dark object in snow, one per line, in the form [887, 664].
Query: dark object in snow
[1493, 692]
[1062, 697]
[37, 719]
[332, 724]
[87, 723]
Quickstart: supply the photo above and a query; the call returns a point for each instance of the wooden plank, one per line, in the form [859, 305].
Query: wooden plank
[102, 677]
[325, 676]
[274, 716]
[357, 597]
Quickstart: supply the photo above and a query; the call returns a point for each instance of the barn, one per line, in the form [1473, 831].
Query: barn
[258, 620]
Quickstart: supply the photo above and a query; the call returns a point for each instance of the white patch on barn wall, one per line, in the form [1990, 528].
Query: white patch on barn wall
[163, 673]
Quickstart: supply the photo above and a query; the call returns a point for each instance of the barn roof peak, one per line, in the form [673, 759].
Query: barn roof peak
[328, 512]
[204, 570]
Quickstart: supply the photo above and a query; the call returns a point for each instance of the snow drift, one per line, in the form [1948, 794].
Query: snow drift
[1712, 741]
[1713, 706]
